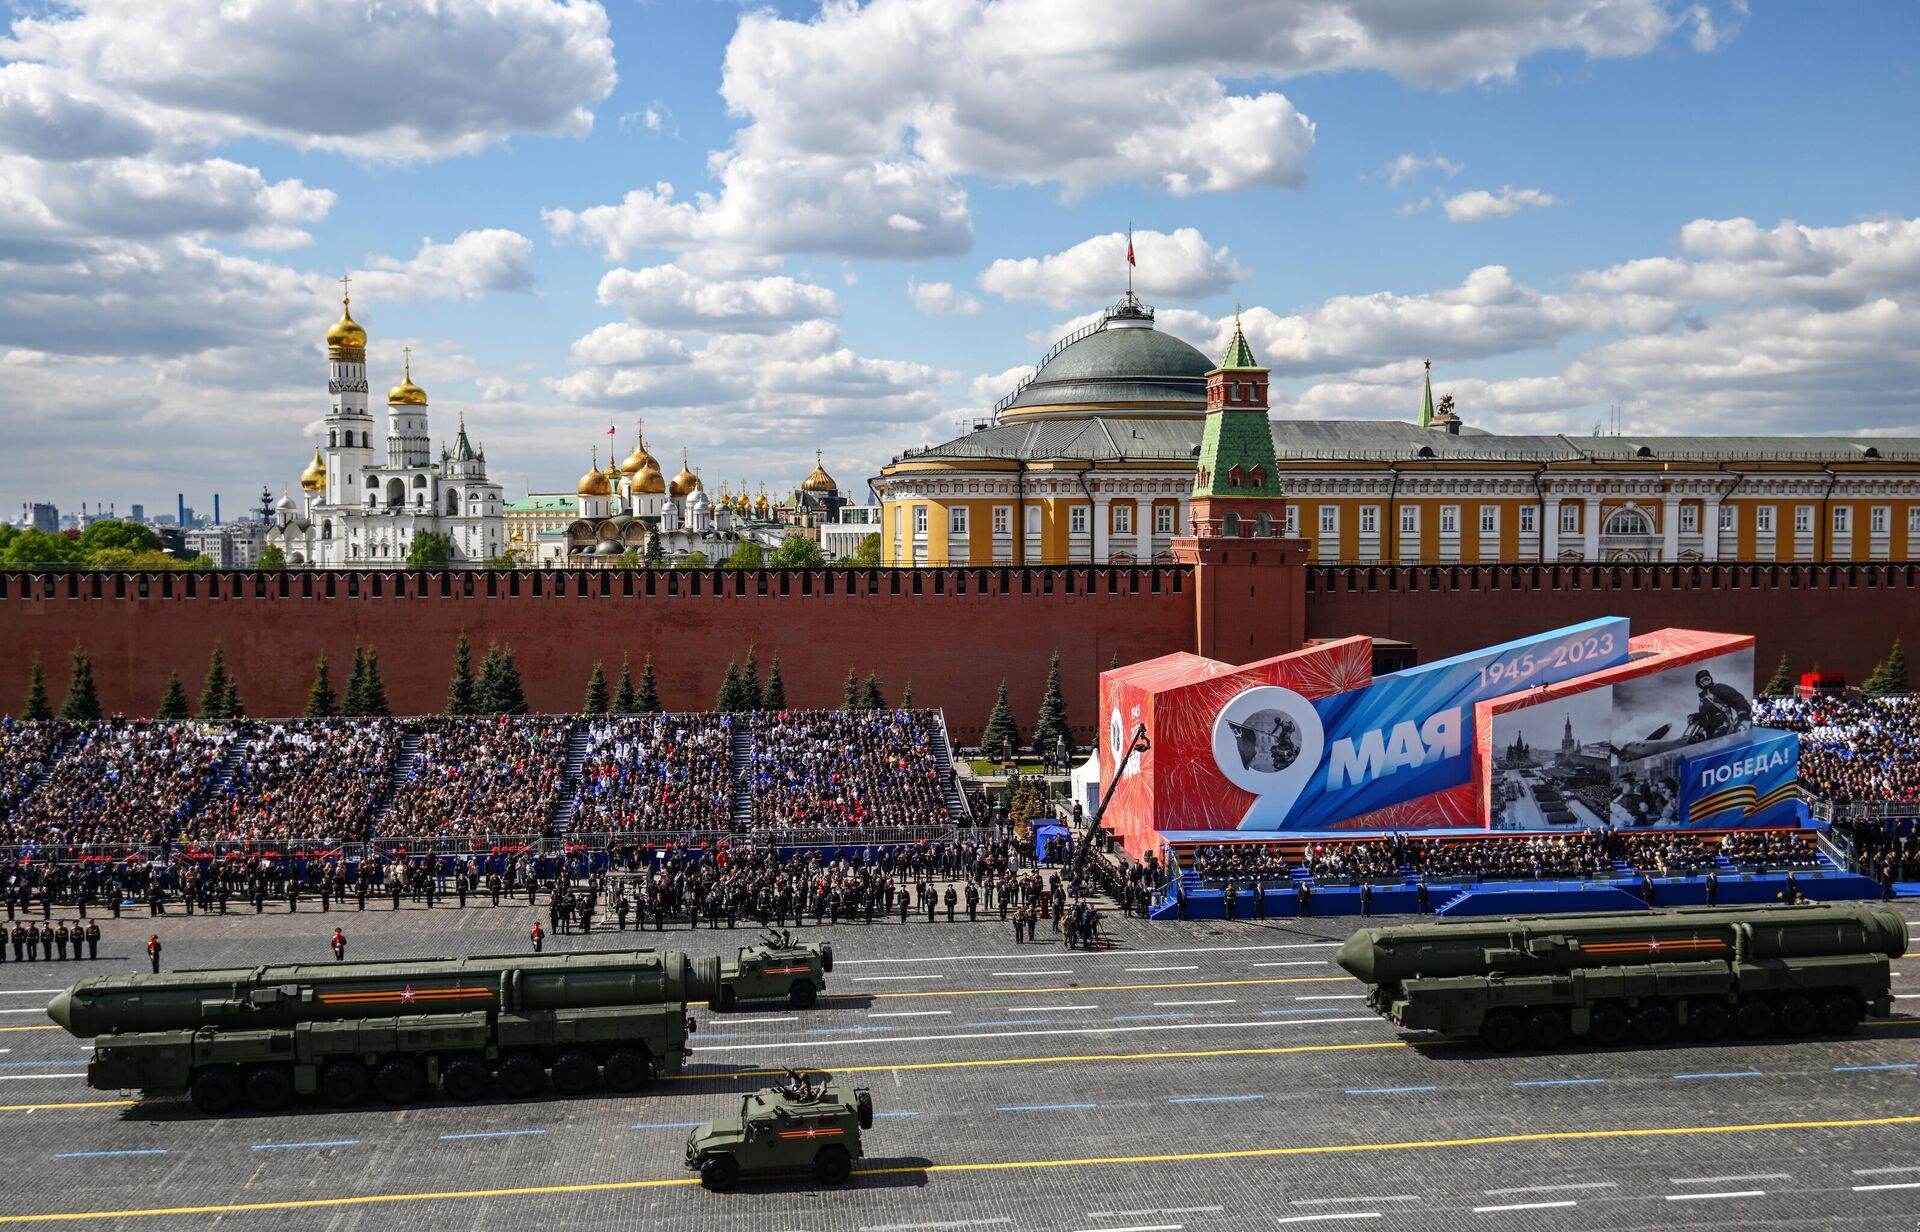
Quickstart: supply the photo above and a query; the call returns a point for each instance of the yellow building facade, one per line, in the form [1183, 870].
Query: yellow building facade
[1091, 460]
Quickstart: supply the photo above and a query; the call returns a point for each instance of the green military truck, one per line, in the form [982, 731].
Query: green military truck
[796, 1129]
[349, 1031]
[1604, 979]
[774, 967]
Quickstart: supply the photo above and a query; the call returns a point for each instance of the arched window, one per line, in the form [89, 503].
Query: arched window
[326, 529]
[1628, 521]
[1263, 523]
[372, 482]
[419, 481]
[1230, 526]
[453, 502]
[332, 437]
[396, 492]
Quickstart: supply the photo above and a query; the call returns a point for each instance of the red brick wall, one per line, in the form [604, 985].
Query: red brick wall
[1841, 617]
[955, 640]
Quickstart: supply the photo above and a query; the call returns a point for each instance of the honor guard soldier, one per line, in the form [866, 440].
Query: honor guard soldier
[539, 936]
[153, 951]
[93, 939]
[339, 943]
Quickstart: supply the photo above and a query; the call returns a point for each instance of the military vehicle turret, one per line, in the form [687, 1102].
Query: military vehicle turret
[796, 1129]
[775, 966]
[1757, 971]
[344, 1031]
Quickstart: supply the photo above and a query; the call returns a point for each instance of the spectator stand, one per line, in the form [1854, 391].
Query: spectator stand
[1476, 873]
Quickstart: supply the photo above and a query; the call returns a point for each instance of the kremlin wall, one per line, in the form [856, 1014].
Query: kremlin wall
[952, 633]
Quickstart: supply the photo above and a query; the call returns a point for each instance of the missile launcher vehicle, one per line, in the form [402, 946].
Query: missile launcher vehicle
[1604, 979]
[774, 967]
[796, 1129]
[343, 1032]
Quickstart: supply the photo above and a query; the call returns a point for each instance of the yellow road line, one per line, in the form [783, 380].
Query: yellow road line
[90, 1103]
[1572, 1135]
[48, 1027]
[984, 1062]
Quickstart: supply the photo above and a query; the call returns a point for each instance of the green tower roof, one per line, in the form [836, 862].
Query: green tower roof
[1426, 399]
[1239, 356]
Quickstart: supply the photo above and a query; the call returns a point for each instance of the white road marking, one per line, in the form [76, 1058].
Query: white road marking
[1728, 1180]
[28, 992]
[1166, 1210]
[1045, 1009]
[1881, 1171]
[1709, 1197]
[859, 978]
[1345, 996]
[1023, 974]
[1192, 968]
[1894, 1185]
[1524, 1206]
[1227, 1001]
[1336, 1201]
[30, 1077]
[1298, 962]
[1526, 1189]
[1141, 1227]
[1204, 949]
[35, 1010]
[931, 1227]
[910, 1014]
[926, 1039]
[730, 1020]
[1330, 1216]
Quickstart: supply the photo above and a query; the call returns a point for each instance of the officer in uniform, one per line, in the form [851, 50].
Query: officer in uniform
[1233, 893]
[1366, 898]
[339, 943]
[33, 942]
[1304, 893]
[19, 939]
[973, 903]
[60, 940]
[46, 942]
[153, 951]
[93, 939]
[953, 900]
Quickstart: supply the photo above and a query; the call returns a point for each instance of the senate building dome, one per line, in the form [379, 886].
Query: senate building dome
[1120, 362]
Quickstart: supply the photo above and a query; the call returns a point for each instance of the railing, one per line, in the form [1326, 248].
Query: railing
[1861, 810]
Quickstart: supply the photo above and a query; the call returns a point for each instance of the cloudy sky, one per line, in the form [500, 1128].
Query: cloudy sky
[770, 229]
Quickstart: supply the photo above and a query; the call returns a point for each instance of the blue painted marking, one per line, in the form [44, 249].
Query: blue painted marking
[707, 1036]
[103, 1154]
[1387, 1090]
[1138, 1017]
[895, 1114]
[498, 1133]
[1042, 1107]
[1212, 1099]
[1850, 1069]
[1010, 1022]
[672, 1125]
[1739, 1073]
[827, 1030]
[1558, 1082]
[1318, 1009]
[290, 1146]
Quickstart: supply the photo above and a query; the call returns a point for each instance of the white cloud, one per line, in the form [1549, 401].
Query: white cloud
[1827, 266]
[668, 297]
[939, 299]
[142, 198]
[1181, 265]
[426, 79]
[1479, 205]
[474, 263]
[499, 389]
[1406, 166]
[1711, 33]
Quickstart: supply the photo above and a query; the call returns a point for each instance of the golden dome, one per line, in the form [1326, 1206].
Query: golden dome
[346, 333]
[639, 459]
[686, 481]
[406, 393]
[314, 478]
[648, 481]
[819, 480]
[594, 482]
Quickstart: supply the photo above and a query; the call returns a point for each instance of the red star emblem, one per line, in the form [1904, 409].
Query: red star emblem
[406, 994]
[811, 1132]
[1653, 945]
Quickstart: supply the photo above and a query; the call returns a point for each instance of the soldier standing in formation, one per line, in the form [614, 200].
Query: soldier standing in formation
[339, 943]
[153, 951]
[539, 936]
[93, 939]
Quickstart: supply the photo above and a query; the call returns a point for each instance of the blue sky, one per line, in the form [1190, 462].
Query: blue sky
[1700, 212]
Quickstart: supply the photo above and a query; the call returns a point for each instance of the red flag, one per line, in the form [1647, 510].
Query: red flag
[611, 430]
[1130, 260]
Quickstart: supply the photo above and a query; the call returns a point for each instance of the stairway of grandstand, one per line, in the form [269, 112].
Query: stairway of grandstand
[567, 799]
[943, 754]
[739, 754]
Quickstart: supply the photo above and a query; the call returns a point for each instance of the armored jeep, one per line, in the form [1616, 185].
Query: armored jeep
[796, 1129]
[775, 966]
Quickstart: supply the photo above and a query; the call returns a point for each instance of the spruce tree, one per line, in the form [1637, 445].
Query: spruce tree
[653, 557]
[460, 689]
[173, 703]
[729, 700]
[647, 700]
[1780, 684]
[850, 692]
[355, 705]
[1001, 732]
[83, 697]
[36, 707]
[231, 707]
[776, 696]
[374, 690]
[1051, 733]
[871, 698]
[752, 697]
[213, 692]
[624, 698]
[596, 700]
[500, 689]
[906, 697]
[1889, 676]
[321, 701]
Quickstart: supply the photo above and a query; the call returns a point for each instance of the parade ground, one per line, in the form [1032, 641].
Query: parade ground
[1195, 1076]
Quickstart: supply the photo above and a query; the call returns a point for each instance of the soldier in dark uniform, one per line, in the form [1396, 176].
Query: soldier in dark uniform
[620, 909]
[60, 940]
[360, 893]
[93, 939]
[153, 951]
[901, 901]
[326, 894]
[393, 889]
[19, 939]
[1366, 898]
[1304, 893]
[973, 903]
[1713, 888]
[1422, 895]
[1233, 893]
[46, 942]
[33, 943]
[953, 900]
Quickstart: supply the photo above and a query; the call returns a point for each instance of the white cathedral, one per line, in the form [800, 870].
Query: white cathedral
[354, 513]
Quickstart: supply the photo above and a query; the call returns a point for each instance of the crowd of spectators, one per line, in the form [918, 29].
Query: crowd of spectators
[318, 779]
[656, 772]
[479, 776]
[1770, 849]
[1852, 750]
[833, 769]
[123, 782]
[25, 750]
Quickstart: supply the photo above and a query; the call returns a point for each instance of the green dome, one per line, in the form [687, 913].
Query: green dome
[1123, 364]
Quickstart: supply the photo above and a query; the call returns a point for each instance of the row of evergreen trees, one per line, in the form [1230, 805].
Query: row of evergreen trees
[1051, 732]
